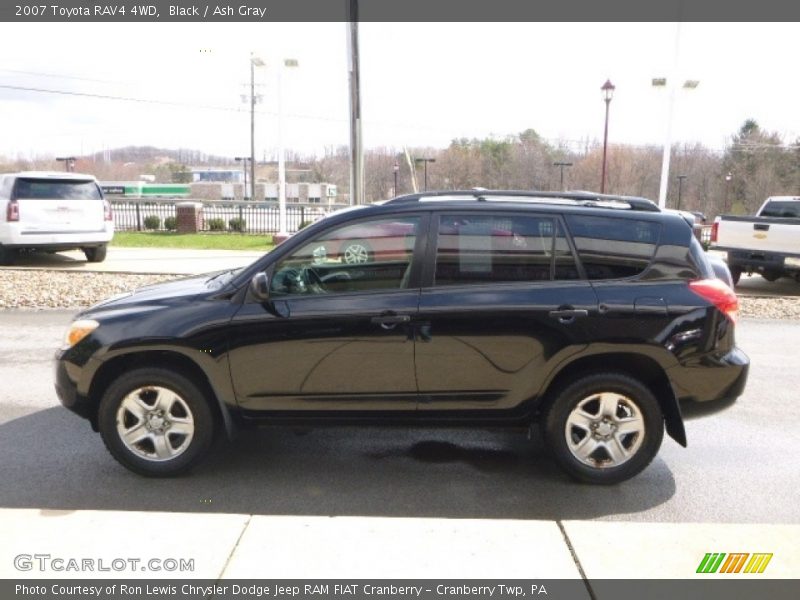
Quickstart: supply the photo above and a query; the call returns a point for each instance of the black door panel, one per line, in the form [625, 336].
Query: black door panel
[489, 347]
[326, 353]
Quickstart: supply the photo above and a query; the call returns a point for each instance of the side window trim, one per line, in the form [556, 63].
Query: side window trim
[582, 276]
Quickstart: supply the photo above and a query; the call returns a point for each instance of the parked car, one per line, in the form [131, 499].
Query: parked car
[53, 212]
[591, 316]
[767, 244]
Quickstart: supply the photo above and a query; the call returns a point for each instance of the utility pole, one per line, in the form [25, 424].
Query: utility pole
[254, 62]
[243, 160]
[561, 165]
[425, 162]
[680, 189]
[356, 148]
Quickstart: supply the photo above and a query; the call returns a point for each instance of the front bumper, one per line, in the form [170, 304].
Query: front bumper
[67, 392]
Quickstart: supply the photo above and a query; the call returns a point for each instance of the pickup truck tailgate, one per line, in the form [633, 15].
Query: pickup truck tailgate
[760, 234]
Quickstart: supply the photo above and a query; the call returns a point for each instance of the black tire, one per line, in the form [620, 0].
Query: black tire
[96, 254]
[736, 274]
[635, 405]
[356, 252]
[771, 275]
[141, 456]
[7, 255]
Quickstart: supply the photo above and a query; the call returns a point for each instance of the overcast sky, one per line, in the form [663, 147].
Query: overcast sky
[422, 84]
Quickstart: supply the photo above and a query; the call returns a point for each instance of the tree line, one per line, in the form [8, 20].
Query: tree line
[754, 165]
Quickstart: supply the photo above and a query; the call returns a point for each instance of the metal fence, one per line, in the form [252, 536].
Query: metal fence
[231, 216]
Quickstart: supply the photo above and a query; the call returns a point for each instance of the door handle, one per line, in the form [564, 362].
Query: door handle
[390, 321]
[568, 315]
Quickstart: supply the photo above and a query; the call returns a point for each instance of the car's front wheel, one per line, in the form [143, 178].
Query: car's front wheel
[155, 422]
[604, 428]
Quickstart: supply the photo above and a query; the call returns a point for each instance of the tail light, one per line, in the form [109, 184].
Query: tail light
[12, 211]
[714, 231]
[719, 294]
[107, 210]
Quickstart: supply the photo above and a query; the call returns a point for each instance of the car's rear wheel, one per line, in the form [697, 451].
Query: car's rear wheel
[96, 253]
[7, 255]
[155, 422]
[604, 428]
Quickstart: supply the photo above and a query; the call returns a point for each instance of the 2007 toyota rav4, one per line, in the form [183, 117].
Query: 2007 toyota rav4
[593, 315]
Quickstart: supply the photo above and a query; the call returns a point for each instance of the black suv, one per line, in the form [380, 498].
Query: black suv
[591, 315]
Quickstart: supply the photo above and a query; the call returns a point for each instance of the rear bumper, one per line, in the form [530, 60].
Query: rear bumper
[712, 379]
[754, 260]
[11, 236]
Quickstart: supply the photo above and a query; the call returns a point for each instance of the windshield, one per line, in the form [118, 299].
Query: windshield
[782, 209]
[56, 189]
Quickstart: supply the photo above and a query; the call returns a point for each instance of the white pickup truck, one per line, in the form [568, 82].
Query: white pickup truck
[768, 244]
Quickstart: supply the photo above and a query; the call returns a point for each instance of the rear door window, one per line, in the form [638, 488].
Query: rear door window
[56, 189]
[613, 248]
[480, 248]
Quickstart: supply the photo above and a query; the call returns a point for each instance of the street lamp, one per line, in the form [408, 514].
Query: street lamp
[69, 162]
[680, 189]
[255, 61]
[562, 165]
[396, 169]
[608, 93]
[728, 179]
[663, 82]
[243, 160]
[283, 230]
[425, 162]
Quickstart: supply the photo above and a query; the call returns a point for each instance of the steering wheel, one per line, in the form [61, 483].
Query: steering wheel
[312, 280]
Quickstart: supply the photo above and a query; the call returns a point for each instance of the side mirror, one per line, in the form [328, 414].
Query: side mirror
[259, 286]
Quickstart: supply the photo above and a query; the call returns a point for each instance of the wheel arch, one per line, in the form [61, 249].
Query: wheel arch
[164, 359]
[639, 367]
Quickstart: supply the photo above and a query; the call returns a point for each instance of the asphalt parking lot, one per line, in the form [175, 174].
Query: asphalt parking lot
[739, 467]
[491, 502]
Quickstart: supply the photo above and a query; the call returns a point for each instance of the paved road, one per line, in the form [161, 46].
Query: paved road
[740, 467]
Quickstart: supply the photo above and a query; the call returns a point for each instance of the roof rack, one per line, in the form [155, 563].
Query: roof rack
[574, 198]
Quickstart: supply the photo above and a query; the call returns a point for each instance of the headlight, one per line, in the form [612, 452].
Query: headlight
[791, 261]
[79, 330]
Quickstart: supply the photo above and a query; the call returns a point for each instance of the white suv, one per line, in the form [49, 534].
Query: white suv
[53, 212]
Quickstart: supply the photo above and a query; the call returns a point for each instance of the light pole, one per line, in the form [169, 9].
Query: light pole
[255, 61]
[283, 230]
[561, 165]
[728, 179]
[689, 84]
[69, 162]
[425, 162]
[608, 93]
[680, 189]
[243, 160]
[396, 169]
